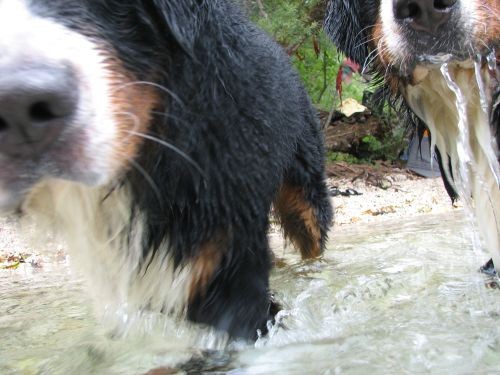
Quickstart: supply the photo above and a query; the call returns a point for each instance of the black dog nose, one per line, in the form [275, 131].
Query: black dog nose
[423, 15]
[35, 106]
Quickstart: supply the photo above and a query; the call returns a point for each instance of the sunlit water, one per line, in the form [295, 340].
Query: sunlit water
[399, 297]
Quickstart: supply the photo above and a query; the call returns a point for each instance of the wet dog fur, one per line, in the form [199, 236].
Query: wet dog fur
[410, 64]
[187, 124]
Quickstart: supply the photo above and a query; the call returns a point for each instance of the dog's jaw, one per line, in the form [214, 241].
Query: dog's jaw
[417, 69]
[401, 48]
[474, 160]
[105, 239]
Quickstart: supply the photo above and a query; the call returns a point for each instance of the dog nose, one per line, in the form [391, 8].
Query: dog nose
[35, 106]
[423, 15]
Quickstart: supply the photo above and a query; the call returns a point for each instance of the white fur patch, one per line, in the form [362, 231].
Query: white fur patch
[29, 40]
[392, 34]
[460, 128]
[468, 11]
[104, 240]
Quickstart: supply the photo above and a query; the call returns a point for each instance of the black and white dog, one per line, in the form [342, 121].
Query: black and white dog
[155, 135]
[439, 58]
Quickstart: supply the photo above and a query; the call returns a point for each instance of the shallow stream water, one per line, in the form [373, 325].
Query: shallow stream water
[396, 297]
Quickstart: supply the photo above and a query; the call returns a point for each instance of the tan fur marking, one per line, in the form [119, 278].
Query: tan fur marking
[377, 42]
[383, 59]
[133, 103]
[205, 266]
[488, 25]
[299, 221]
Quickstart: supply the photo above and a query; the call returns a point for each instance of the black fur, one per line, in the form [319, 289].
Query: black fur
[235, 107]
[349, 27]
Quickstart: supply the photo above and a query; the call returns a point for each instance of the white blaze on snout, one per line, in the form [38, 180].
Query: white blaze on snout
[27, 41]
[393, 31]
[392, 37]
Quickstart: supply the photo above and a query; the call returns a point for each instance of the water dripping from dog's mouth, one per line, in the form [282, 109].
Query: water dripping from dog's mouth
[476, 172]
[425, 63]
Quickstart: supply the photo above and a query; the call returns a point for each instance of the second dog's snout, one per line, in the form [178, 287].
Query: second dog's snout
[424, 15]
[35, 106]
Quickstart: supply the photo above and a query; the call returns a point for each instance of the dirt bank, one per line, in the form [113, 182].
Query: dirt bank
[388, 196]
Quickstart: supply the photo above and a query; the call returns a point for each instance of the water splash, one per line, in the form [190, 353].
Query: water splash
[483, 94]
[492, 61]
[399, 292]
[464, 152]
[475, 167]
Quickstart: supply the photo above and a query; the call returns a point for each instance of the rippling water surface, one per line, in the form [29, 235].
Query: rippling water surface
[398, 297]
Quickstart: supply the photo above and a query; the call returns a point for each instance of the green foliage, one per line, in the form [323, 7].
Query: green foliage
[393, 141]
[387, 148]
[343, 157]
[288, 21]
[372, 145]
[319, 73]
[297, 26]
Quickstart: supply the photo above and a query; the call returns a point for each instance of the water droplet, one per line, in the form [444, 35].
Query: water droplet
[483, 95]
[464, 151]
[492, 61]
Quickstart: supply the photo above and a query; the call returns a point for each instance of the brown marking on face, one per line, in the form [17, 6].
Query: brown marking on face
[299, 221]
[383, 59]
[488, 23]
[132, 105]
[205, 265]
[377, 42]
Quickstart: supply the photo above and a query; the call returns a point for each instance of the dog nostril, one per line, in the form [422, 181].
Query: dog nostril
[405, 10]
[3, 125]
[444, 4]
[37, 103]
[413, 11]
[423, 15]
[42, 112]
